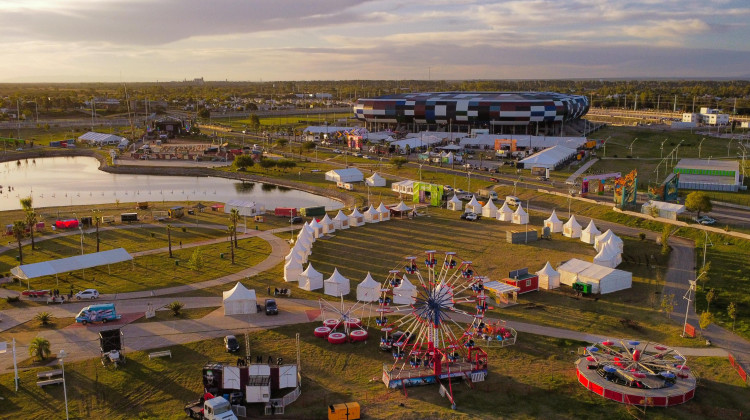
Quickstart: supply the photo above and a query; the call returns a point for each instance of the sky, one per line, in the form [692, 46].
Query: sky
[268, 40]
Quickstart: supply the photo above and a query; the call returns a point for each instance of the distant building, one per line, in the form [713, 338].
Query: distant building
[707, 116]
[709, 175]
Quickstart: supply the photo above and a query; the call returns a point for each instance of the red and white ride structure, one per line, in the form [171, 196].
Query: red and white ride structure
[342, 326]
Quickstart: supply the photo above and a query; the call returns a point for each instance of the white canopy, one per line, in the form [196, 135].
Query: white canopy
[455, 204]
[589, 234]
[317, 228]
[571, 228]
[344, 175]
[372, 215]
[605, 237]
[244, 207]
[309, 230]
[505, 214]
[385, 214]
[605, 279]
[548, 278]
[356, 218]
[489, 209]
[473, 206]
[336, 285]
[570, 269]
[608, 256]
[554, 224]
[375, 180]
[304, 240]
[404, 293]
[292, 270]
[64, 265]
[549, 158]
[328, 226]
[368, 290]
[239, 301]
[341, 221]
[401, 207]
[520, 217]
[310, 279]
[301, 252]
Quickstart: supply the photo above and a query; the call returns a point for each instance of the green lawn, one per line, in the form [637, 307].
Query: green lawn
[167, 315]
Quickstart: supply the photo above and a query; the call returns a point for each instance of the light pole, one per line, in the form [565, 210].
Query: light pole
[61, 355]
[631, 146]
[699, 147]
[661, 149]
[729, 145]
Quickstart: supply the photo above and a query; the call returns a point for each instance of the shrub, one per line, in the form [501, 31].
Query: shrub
[44, 318]
[12, 299]
[642, 236]
[175, 307]
[39, 348]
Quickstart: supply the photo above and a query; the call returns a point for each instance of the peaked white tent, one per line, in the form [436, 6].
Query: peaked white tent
[401, 209]
[341, 221]
[473, 206]
[570, 269]
[292, 255]
[608, 256]
[240, 300]
[372, 215]
[336, 285]
[304, 240]
[385, 214]
[589, 234]
[520, 217]
[292, 270]
[356, 219]
[571, 228]
[309, 231]
[310, 279]
[301, 253]
[505, 214]
[317, 228]
[605, 237]
[328, 225]
[489, 209]
[368, 290]
[375, 180]
[345, 175]
[554, 224]
[455, 204]
[548, 278]
[602, 279]
[404, 293]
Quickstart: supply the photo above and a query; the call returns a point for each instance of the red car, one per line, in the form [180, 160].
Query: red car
[493, 179]
[35, 293]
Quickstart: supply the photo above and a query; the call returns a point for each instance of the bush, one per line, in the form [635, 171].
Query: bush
[44, 318]
[12, 299]
[175, 307]
[39, 348]
[642, 236]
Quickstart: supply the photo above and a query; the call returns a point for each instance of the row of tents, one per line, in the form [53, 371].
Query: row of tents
[608, 245]
[504, 213]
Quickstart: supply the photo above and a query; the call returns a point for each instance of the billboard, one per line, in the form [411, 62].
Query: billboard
[426, 193]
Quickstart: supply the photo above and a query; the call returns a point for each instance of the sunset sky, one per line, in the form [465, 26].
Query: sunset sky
[252, 40]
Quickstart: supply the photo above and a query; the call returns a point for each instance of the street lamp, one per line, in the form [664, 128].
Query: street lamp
[699, 147]
[631, 146]
[661, 152]
[61, 355]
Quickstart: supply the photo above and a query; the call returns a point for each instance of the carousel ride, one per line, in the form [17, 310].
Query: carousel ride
[342, 326]
[636, 373]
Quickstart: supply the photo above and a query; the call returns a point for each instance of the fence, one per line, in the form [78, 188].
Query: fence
[738, 368]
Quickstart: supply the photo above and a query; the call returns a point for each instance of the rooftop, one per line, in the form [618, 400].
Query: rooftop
[727, 165]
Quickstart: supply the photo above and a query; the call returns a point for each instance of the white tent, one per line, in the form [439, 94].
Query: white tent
[292, 270]
[404, 293]
[589, 234]
[328, 225]
[292, 255]
[375, 180]
[344, 175]
[605, 237]
[244, 207]
[571, 228]
[549, 158]
[301, 253]
[520, 217]
[548, 278]
[455, 204]
[368, 290]
[310, 279]
[401, 208]
[385, 214]
[64, 265]
[341, 221]
[505, 214]
[608, 256]
[317, 228]
[473, 206]
[356, 218]
[489, 209]
[605, 279]
[336, 285]
[554, 224]
[569, 271]
[240, 301]
[309, 231]
[305, 239]
[372, 215]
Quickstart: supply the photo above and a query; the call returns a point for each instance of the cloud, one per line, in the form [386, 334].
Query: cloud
[668, 31]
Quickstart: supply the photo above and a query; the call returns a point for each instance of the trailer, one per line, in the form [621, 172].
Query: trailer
[313, 211]
[285, 211]
[210, 408]
[129, 217]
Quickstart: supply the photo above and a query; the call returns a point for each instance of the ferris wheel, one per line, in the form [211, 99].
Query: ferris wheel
[433, 320]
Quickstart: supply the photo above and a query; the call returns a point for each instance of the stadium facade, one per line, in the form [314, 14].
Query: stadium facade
[497, 111]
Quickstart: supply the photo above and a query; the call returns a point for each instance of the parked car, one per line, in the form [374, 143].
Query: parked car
[297, 219]
[337, 151]
[512, 200]
[705, 220]
[271, 308]
[231, 344]
[493, 179]
[87, 294]
[470, 216]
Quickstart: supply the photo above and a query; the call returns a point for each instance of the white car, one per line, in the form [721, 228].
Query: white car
[87, 294]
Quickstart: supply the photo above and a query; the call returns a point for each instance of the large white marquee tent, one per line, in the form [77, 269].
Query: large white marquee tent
[240, 301]
[602, 279]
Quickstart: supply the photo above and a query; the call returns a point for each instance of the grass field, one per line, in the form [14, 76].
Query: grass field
[168, 315]
[534, 379]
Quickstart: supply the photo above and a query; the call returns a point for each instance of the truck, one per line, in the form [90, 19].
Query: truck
[487, 193]
[210, 408]
[103, 312]
[285, 212]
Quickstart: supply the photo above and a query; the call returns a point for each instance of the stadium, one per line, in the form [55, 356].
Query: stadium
[498, 112]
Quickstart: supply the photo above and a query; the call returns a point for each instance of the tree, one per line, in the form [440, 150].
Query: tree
[705, 320]
[698, 202]
[39, 348]
[232, 232]
[732, 312]
[398, 162]
[19, 229]
[175, 307]
[242, 162]
[204, 113]
[285, 164]
[196, 260]
[27, 204]
[169, 239]
[666, 231]
[267, 163]
[710, 296]
[307, 146]
[43, 317]
[282, 142]
[234, 218]
[97, 220]
[667, 304]
[254, 121]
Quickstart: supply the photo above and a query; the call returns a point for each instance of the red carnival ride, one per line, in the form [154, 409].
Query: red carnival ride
[633, 373]
[421, 326]
[344, 327]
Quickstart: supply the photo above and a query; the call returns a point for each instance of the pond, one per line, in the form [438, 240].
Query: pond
[66, 181]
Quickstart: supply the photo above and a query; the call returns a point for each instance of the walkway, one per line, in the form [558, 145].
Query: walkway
[572, 178]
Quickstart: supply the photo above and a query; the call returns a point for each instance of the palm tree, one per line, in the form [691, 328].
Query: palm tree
[232, 231]
[39, 348]
[169, 239]
[234, 217]
[27, 204]
[44, 317]
[97, 220]
[19, 229]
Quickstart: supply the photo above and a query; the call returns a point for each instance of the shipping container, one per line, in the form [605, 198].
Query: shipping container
[313, 211]
[129, 217]
[285, 211]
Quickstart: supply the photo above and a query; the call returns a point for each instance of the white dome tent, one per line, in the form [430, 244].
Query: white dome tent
[608, 256]
[505, 214]
[571, 228]
[375, 180]
[605, 237]
[554, 224]
[385, 214]
[239, 300]
[520, 217]
[328, 226]
[356, 219]
[368, 290]
[455, 204]
[309, 231]
[336, 285]
[310, 279]
[317, 228]
[341, 221]
[589, 234]
[404, 293]
[473, 206]
[372, 215]
[304, 240]
[401, 208]
[292, 270]
[489, 209]
[548, 278]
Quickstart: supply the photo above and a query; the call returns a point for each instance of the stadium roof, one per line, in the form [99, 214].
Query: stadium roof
[709, 164]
